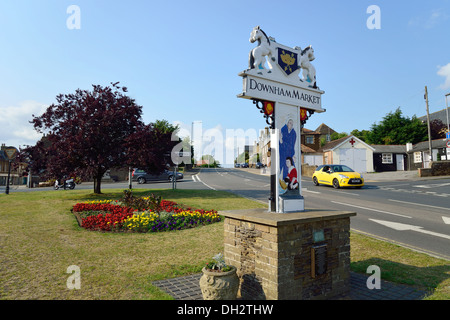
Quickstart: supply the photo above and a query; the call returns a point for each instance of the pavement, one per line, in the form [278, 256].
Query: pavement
[188, 288]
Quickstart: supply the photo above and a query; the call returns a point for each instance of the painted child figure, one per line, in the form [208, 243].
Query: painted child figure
[291, 178]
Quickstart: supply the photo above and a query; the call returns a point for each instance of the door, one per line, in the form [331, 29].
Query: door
[400, 162]
[354, 158]
[324, 176]
[426, 159]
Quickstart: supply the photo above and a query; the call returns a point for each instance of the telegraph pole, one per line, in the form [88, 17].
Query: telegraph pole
[428, 123]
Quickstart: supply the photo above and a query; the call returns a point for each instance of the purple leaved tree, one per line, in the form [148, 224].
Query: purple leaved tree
[88, 132]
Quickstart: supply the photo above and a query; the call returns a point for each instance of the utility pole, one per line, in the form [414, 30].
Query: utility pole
[446, 109]
[428, 122]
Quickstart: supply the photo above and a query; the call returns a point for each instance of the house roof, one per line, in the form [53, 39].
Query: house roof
[306, 149]
[441, 115]
[307, 131]
[421, 146]
[337, 143]
[389, 148]
[324, 129]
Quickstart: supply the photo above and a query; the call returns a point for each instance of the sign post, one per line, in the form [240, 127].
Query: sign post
[286, 101]
[11, 154]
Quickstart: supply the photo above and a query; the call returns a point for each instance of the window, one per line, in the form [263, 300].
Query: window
[417, 157]
[309, 139]
[386, 158]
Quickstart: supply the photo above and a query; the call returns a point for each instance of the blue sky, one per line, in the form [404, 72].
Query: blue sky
[180, 59]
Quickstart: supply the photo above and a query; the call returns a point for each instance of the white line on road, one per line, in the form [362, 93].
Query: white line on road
[343, 192]
[376, 210]
[406, 227]
[205, 184]
[429, 186]
[419, 204]
[306, 190]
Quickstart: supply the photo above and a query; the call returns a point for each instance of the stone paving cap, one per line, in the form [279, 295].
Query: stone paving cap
[265, 217]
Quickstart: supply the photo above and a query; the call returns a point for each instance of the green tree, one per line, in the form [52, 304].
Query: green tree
[165, 127]
[212, 163]
[397, 129]
[360, 134]
[337, 135]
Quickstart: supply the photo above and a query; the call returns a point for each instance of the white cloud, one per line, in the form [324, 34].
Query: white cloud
[445, 72]
[15, 129]
[431, 20]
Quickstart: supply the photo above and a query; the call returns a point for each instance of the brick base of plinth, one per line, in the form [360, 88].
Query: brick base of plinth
[295, 256]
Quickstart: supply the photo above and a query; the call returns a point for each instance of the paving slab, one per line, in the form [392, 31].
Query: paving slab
[188, 288]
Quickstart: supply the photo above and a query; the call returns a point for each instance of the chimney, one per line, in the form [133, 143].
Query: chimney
[409, 147]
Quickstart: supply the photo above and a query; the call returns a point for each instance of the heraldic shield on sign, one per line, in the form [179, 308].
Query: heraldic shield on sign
[287, 60]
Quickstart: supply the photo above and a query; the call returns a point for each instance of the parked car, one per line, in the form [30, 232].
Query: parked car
[237, 165]
[244, 165]
[259, 165]
[338, 176]
[142, 177]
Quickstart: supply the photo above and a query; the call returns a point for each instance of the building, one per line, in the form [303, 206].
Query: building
[325, 132]
[310, 139]
[389, 158]
[419, 154]
[264, 147]
[16, 175]
[438, 115]
[349, 151]
[311, 157]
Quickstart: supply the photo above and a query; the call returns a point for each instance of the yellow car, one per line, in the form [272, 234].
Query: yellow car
[337, 175]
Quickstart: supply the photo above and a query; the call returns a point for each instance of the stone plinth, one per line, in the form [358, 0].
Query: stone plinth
[295, 256]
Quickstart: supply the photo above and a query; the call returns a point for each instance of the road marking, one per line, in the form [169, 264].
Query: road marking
[430, 193]
[407, 227]
[419, 204]
[195, 178]
[376, 210]
[429, 186]
[306, 190]
[446, 220]
[206, 184]
[343, 192]
[409, 246]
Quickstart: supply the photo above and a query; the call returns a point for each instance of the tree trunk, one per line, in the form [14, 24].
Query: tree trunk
[98, 182]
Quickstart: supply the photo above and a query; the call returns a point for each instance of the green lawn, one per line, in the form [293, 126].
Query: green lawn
[40, 239]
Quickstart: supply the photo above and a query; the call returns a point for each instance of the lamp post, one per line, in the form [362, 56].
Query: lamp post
[9, 175]
[446, 109]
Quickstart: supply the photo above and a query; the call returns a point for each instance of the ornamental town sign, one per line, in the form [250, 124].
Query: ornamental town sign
[287, 99]
[281, 80]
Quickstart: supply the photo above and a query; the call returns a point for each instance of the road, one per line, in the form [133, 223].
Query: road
[414, 214]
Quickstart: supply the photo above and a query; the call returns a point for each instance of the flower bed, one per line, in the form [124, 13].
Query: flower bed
[120, 216]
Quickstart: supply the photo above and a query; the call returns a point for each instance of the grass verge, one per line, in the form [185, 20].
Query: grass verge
[40, 239]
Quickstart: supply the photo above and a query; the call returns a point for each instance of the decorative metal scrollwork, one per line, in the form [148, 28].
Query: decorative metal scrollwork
[268, 109]
[304, 115]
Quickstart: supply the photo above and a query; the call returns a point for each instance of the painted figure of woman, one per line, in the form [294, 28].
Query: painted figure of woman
[288, 137]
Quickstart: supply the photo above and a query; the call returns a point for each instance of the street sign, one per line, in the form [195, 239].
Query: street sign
[448, 135]
[10, 152]
[448, 143]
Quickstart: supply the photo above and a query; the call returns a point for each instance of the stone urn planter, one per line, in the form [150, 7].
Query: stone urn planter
[219, 285]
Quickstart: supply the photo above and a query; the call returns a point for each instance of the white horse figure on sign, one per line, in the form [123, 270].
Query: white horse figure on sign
[309, 72]
[258, 55]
